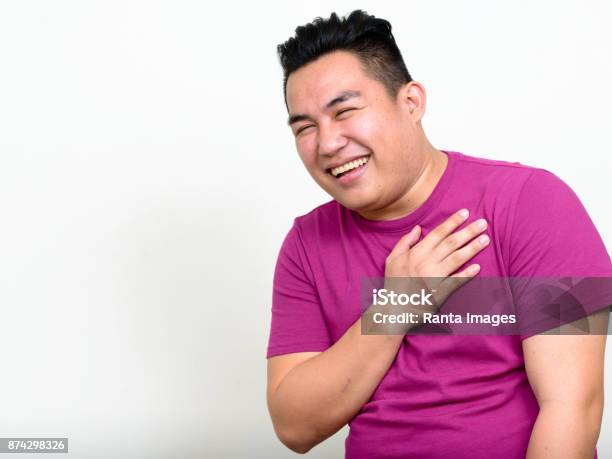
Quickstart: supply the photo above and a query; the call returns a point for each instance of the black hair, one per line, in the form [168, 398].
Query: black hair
[368, 37]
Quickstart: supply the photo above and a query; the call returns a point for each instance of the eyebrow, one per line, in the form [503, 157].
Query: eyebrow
[342, 97]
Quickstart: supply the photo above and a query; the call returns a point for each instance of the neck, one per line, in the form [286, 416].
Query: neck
[431, 165]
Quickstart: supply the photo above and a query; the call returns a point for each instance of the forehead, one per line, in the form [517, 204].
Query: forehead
[314, 84]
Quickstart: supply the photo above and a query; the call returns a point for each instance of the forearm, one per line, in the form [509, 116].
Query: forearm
[566, 431]
[319, 396]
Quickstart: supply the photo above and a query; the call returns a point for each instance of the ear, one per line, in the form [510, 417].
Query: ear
[412, 99]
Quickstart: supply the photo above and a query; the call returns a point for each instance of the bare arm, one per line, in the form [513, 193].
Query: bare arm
[312, 395]
[566, 374]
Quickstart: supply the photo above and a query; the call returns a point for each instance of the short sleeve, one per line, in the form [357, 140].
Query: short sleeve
[554, 241]
[552, 234]
[298, 323]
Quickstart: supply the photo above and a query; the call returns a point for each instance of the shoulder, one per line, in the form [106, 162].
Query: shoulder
[321, 219]
[321, 228]
[486, 168]
[506, 179]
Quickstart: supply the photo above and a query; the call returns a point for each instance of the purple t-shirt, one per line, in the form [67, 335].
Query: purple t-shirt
[443, 396]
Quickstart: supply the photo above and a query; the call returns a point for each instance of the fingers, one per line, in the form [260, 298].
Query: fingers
[459, 257]
[467, 273]
[459, 239]
[407, 241]
[444, 229]
[452, 283]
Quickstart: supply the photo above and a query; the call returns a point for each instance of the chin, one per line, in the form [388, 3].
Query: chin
[355, 204]
[356, 198]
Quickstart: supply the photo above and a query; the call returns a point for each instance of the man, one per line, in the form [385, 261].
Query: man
[402, 208]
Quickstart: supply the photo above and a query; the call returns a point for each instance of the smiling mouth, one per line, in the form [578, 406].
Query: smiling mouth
[347, 167]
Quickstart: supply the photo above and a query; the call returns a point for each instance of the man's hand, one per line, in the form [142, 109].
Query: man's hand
[440, 253]
[431, 265]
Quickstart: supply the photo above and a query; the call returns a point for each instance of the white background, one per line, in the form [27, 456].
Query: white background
[147, 178]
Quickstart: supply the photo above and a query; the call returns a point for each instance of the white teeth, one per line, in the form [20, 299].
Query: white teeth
[350, 165]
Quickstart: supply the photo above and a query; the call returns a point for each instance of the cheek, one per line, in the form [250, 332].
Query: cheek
[363, 129]
[373, 132]
[369, 138]
[306, 150]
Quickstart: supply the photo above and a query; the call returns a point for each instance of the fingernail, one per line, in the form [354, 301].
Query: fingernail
[482, 223]
[484, 239]
[474, 268]
[464, 213]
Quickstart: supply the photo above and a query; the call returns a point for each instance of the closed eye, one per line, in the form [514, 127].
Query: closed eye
[302, 129]
[341, 112]
[344, 111]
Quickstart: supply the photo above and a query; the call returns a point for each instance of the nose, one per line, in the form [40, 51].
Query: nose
[331, 139]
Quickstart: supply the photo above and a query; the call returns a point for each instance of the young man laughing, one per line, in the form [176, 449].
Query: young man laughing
[403, 209]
